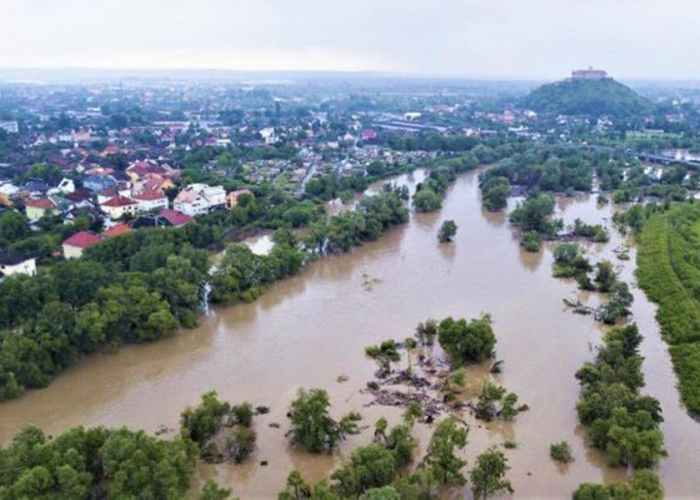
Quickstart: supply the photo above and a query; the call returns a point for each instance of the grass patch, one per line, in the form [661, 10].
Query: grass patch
[668, 270]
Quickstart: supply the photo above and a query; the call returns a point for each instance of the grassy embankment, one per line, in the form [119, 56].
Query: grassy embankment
[669, 273]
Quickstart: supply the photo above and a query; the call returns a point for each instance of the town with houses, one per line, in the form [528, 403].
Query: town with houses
[103, 159]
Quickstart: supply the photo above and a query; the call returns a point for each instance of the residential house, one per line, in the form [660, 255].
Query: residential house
[36, 209]
[74, 246]
[150, 200]
[12, 263]
[175, 218]
[99, 182]
[11, 127]
[66, 186]
[198, 199]
[119, 206]
[232, 197]
[117, 230]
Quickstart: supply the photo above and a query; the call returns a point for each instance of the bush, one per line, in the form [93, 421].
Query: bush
[467, 342]
[531, 241]
[561, 452]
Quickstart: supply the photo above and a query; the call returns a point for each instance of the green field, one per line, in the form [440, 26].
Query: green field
[669, 272]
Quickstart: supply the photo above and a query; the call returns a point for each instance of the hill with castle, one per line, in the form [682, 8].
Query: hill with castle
[588, 92]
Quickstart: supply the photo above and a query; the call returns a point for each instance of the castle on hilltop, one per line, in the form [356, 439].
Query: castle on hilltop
[589, 74]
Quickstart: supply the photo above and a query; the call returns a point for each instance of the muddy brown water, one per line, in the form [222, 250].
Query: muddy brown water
[308, 330]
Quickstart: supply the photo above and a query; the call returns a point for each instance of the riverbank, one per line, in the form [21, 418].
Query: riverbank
[308, 330]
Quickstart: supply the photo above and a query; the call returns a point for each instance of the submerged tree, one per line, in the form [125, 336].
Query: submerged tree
[447, 231]
[313, 428]
[441, 458]
[488, 476]
[467, 342]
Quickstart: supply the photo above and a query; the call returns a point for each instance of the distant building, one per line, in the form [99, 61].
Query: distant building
[9, 127]
[12, 263]
[99, 182]
[73, 247]
[175, 218]
[198, 199]
[117, 230]
[119, 206]
[150, 200]
[36, 209]
[589, 74]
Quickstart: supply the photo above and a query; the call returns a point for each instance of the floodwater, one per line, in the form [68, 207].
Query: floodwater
[310, 329]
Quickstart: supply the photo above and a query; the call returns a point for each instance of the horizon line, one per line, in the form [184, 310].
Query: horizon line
[340, 72]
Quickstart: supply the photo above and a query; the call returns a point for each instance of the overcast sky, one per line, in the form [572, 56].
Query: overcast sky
[474, 38]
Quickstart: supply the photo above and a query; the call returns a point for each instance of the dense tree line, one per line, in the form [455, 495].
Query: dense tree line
[135, 288]
[619, 420]
[243, 275]
[95, 463]
[547, 168]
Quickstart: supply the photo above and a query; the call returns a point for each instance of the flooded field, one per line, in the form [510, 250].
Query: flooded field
[309, 330]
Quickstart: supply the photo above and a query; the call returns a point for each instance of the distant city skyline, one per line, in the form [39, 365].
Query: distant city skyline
[537, 39]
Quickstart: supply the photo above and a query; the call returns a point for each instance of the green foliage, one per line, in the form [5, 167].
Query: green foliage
[617, 307]
[496, 402]
[605, 277]
[495, 190]
[220, 431]
[441, 459]
[202, 422]
[595, 232]
[534, 214]
[426, 200]
[633, 218]
[595, 98]
[95, 463]
[569, 261]
[488, 476]
[427, 331]
[447, 231]
[369, 467]
[644, 485]
[561, 452]
[387, 348]
[128, 289]
[620, 422]
[669, 273]
[212, 491]
[539, 168]
[313, 429]
[531, 241]
[467, 342]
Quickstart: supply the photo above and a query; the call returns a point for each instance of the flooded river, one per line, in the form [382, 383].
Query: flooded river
[309, 330]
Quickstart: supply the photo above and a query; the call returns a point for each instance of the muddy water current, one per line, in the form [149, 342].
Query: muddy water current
[309, 330]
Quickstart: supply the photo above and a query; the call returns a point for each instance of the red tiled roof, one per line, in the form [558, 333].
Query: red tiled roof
[44, 204]
[175, 217]
[117, 230]
[83, 239]
[118, 201]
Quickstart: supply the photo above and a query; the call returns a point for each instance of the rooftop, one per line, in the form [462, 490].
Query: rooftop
[83, 239]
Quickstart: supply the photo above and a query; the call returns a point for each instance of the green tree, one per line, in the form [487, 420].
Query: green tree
[467, 342]
[441, 458]
[313, 429]
[370, 467]
[447, 231]
[488, 476]
[212, 491]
